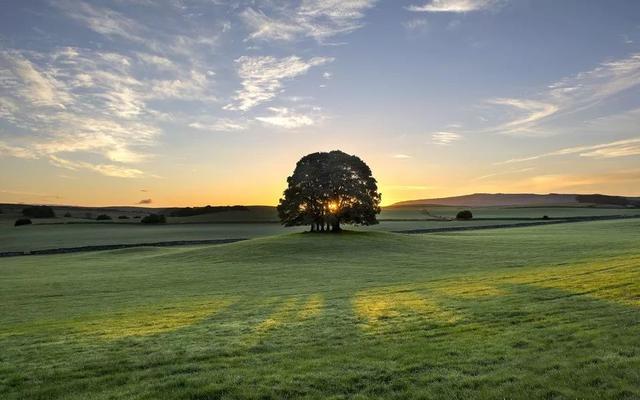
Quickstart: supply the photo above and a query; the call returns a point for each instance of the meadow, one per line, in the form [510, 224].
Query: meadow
[62, 232]
[540, 312]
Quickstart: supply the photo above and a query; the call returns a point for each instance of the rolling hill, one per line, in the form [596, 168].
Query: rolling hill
[522, 199]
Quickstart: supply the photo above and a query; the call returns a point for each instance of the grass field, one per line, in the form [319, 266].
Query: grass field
[51, 236]
[541, 312]
[74, 232]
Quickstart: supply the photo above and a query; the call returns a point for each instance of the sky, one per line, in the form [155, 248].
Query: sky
[195, 102]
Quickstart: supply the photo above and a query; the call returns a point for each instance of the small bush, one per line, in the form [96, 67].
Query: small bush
[68, 215]
[154, 219]
[22, 221]
[38, 212]
[103, 217]
[123, 217]
[545, 217]
[465, 214]
[137, 217]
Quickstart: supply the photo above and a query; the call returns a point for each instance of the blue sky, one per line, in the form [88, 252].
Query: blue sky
[212, 102]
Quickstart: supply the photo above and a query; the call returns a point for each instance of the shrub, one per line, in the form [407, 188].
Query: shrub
[123, 217]
[22, 221]
[464, 214]
[545, 217]
[137, 217]
[154, 219]
[103, 217]
[68, 215]
[38, 212]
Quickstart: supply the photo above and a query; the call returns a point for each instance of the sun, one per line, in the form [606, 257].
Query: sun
[333, 206]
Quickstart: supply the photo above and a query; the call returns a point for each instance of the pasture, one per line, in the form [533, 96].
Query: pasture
[62, 232]
[539, 312]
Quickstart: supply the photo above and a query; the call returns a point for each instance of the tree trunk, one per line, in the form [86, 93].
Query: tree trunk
[336, 227]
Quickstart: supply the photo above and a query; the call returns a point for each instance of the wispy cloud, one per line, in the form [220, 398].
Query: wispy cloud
[316, 19]
[502, 173]
[569, 97]
[454, 6]
[286, 118]
[145, 201]
[117, 171]
[15, 151]
[620, 148]
[401, 156]
[220, 125]
[263, 76]
[445, 138]
[534, 111]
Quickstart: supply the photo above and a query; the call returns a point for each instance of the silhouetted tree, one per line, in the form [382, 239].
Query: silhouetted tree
[22, 221]
[154, 219]
[465, 214]
[38, 212]
[327, 189]
[103, 217]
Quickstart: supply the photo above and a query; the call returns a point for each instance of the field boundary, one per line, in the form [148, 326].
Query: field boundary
[66, 250]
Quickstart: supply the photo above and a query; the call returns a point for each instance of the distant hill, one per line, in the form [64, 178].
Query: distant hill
[522, 199]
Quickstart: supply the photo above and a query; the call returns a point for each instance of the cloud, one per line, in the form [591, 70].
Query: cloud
[620, 148]
[116, 171]
[14, 151]
[263, 76]
[454, 6]
[286, 118]
[569, 97]
[316, 19]
[501, 173]
[145, 201]
[39, 88]
[445, 138]
[401, 156]
[220, 125]
[75, 100]
[534, 111]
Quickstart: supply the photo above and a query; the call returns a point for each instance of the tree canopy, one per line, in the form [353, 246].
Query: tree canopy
[327, 189]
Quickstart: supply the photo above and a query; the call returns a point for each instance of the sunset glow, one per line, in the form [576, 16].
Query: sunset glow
[195, 103]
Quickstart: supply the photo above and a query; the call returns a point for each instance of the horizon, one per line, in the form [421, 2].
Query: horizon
[193, 103]
[152, 206]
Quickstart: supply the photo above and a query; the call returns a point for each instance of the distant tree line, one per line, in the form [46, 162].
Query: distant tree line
[608, 200]
[191, 211]
[38, 212]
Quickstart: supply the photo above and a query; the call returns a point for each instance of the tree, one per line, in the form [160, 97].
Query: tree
[22, 221]
[154, 219]
[465, 214]
[327, 189]
[38, 212]
[103, 217]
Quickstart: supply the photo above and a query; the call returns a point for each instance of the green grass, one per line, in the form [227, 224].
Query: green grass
[51, 236]
[542, 312]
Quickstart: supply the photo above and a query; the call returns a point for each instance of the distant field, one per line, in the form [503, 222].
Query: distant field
[51, 236]
[37, 237]
[506, 212]
[542, 312]
[74, 232]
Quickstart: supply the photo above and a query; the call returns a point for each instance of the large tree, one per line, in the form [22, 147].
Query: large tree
[327, 189]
